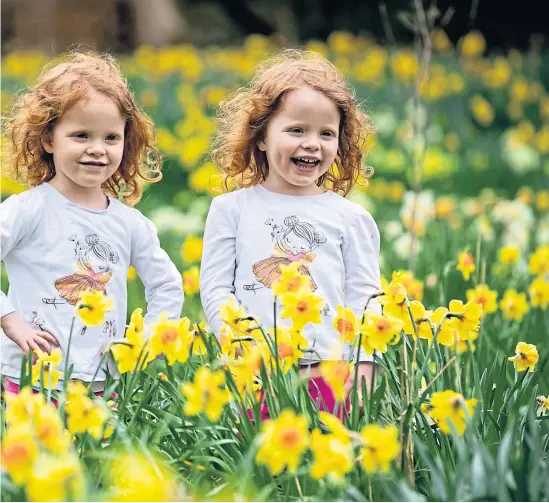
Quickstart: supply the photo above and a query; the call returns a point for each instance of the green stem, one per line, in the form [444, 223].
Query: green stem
[66, 369]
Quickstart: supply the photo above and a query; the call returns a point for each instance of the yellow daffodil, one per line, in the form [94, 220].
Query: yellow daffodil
[447, 327]
[466, 264]
[526, 357]
[206, 178]
[227, 348]
[380, 330]
[472, 44]
[302, 308]
[335, 426]
[291, 281]
[336, 372]
[58, 478]
[333, 457]
[191, 249]
[289, 344]
[346, 324]
[134, 345]
[198, 346]
[482, 110]
[85, 414]
[380, 447]
[23, 407]
[421, 320]
[468, 317]
[539, 261]
[206, 394]
[46, 364]
[19, 451]
[539, 293]
[50, 431]
[171, 338]
[449, 406]
[485, 297]
[542, 196]
[283, 441]
[509, 255]
[136, 476]
[394, 293]
[514, 305]
[245, 371]
[414, 287]
[445, 206]
[234, 315]
[405, 65]
[92, 306]
[191, 281]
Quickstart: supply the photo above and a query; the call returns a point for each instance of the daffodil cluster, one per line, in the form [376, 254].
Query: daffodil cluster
[285, 440]
[37, 451]
[84, 414]
[171, 338]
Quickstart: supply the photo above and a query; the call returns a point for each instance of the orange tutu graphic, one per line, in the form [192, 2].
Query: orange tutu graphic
[71, 287]
[86, 278]
[268, 271]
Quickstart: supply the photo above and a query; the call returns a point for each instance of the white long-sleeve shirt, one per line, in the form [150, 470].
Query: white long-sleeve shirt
[250, 232]
[53, 249]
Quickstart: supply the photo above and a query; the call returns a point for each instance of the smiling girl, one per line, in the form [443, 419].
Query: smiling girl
[81, 142]
[292, 143]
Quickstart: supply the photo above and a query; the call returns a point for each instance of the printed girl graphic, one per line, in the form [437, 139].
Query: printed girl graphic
[94, 259]
[295, 241]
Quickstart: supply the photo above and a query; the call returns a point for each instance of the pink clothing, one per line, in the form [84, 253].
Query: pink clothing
[321, 394]
[14, 388]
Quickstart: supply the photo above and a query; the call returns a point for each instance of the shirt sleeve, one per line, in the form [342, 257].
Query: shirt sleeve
[362, 270]
[163, 282]
[218, 265]
[16, 215]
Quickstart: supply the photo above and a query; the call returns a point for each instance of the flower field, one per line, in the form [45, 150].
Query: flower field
[459, 409]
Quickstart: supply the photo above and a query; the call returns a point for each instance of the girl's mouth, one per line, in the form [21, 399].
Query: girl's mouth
[94, 164]
[304, 164]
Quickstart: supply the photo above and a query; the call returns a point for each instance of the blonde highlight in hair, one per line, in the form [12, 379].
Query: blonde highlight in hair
[61, 86]
[243, 118]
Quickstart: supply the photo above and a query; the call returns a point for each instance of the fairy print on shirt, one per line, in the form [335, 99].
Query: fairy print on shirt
[294, 241]
[94, 260]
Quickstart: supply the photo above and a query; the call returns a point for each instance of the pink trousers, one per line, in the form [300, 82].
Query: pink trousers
[321, 394]
[13, 387]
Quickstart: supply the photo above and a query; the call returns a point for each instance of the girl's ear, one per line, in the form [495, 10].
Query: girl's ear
[261, 145]
[46, 143]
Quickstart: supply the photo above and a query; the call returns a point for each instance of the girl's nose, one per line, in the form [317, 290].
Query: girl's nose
[96, 148]
[311, 143]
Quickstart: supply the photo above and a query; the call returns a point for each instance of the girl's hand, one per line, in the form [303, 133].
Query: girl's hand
[366, 370]
[25, 336]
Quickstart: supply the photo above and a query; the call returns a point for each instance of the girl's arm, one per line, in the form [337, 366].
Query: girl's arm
[362, 271]
[163, 282]
[18, 217]
[218, 265]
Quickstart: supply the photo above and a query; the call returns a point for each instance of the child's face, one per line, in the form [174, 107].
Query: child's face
[297, 244]
[306, 128]
[87, 143]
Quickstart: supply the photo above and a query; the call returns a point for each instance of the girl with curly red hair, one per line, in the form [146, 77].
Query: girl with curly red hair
[84, 147]
[292, 143]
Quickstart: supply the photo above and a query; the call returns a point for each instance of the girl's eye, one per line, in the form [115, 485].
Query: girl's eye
[80, 135]
[328, 133]
[112, 137]
[295, 130]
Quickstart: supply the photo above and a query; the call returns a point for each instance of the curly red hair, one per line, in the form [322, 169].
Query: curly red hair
[243, 118]
[60, 86]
